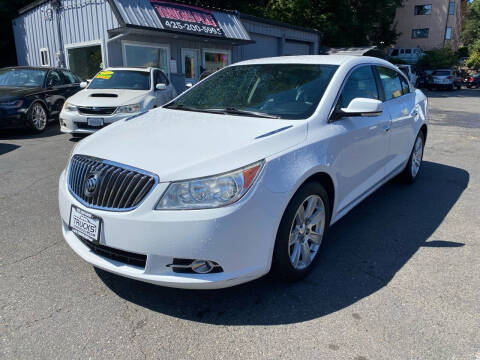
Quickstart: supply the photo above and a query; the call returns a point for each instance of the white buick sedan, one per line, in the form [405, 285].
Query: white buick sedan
[244, 172]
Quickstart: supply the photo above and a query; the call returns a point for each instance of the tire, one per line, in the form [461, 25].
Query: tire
[290, 260]
[37, 118]
[450, 88]
[412, 169]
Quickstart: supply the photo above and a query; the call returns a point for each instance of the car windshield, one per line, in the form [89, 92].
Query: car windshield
[290, 91]
[22, 77]
[121, 79]
[441, 73]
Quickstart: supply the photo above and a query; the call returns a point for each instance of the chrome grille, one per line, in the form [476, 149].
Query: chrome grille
[116, 187]
[88, 110]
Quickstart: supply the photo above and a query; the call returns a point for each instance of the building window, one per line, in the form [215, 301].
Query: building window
[136, 55]
[419, 33]
[448, 33]
[215, 59]
[423, 9]
[44, 57]
[451, 8]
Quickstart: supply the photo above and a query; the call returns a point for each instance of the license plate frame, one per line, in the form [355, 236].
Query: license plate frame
[91, 231]
[95, 121]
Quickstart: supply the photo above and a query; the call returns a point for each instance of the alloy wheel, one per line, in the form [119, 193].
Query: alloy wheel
[306, 232]
[417, 155]
[39, 117]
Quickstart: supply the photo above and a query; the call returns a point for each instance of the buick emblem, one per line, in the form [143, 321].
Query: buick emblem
[91, 182]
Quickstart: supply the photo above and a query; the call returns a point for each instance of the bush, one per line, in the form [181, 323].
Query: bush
[438, 58]
[473, 61]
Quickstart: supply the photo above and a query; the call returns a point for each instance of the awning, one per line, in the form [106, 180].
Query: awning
[180, 19]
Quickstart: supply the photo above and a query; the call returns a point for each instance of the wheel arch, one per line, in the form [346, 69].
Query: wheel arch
[326, 181]
[42, 102]
[424, 130]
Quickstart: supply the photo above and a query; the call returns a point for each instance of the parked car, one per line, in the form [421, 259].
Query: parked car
[409, 55]
[410, 73]
[472, 81]
[32, 96]
[244, 172]
[115, 94]
[444, 79]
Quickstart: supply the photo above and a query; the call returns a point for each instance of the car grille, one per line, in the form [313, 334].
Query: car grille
[117, 255]
[87, 110]
[106, 185]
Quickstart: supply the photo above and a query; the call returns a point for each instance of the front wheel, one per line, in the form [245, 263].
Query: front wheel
[37, 118]
[412, 169]
[301, 233]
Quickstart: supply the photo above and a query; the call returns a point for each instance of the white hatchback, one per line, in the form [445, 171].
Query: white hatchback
[244, 172]
[115, 94]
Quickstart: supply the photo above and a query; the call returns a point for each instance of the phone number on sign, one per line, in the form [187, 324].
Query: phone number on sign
[189, 27]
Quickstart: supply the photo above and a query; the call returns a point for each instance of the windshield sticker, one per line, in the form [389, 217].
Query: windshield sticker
[104, 75]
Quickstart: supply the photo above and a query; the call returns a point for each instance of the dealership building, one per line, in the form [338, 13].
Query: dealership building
[183, 40]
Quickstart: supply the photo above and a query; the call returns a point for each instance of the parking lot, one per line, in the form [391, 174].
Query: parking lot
[398, 278]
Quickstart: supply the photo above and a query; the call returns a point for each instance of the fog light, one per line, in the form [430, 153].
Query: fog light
[202, 266]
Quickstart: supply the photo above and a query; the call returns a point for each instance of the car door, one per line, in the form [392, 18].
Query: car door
[72, 84]
[54, 92]
[162, 96]
[400, 105]
[362, 141]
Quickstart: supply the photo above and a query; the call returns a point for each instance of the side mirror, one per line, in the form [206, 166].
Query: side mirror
[83, 84]
[188, 85]
[161, 87]
[360, 107]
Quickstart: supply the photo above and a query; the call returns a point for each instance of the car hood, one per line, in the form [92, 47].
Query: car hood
[179, 145]
[7, 93]
[107, 97]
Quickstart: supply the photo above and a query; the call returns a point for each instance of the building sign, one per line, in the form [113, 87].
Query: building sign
[188, 19]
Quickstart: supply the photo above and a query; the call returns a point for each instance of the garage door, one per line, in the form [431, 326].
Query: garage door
[297, 48]
[265, 46]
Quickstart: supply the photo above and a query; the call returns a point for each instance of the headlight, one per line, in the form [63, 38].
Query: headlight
[129, 109]
[210, 192]
[69, 107]
[11, 104]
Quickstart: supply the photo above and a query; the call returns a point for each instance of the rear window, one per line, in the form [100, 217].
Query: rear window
[442, 73]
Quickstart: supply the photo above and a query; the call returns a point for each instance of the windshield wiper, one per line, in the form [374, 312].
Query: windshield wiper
[187, 108]
[235, 111]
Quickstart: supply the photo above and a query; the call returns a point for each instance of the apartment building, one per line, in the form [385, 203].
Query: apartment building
[429, 24]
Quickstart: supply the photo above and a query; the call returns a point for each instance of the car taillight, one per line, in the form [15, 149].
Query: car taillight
[450, 77]
[471, 79]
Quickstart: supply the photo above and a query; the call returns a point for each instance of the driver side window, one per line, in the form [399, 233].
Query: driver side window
[54, 79]
[360, 84]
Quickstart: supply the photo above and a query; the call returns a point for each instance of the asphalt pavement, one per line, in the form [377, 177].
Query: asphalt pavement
[398, 278]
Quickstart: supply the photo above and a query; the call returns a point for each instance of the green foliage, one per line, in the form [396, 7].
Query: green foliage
[471, 27]
[473, 61]
[438, 58]
[342, 23]
[462, 52]
[398, 61]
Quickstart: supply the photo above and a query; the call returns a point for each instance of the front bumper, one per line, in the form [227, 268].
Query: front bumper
[12, 119]
[240, 238]
[76, 123]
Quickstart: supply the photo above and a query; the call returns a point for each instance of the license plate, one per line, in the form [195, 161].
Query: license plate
[84, 224]
[95, 121]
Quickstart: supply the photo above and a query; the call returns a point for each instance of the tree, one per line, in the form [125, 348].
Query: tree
[438, 58]
[473, 61]
[471, 34]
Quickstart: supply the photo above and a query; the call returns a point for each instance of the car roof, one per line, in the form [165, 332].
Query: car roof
[35, 68]
[144, 69]
[317, 59]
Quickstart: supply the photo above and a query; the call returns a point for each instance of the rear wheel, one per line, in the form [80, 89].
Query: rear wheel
[412, 169]
[301, 233]
[37, 117]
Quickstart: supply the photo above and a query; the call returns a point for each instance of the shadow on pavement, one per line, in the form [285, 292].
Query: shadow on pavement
[362, 253]
[17, 134]
[6, 148]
